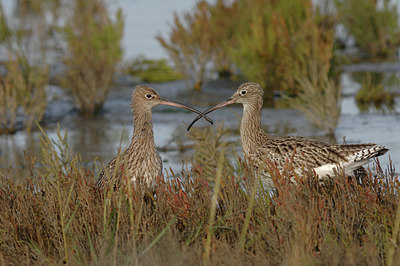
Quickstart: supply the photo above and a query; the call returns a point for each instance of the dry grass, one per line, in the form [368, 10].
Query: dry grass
[63, 220]
[320, 102]
[209, 144]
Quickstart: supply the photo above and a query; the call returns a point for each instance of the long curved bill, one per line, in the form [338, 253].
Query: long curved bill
[220, 105]
[171, 103]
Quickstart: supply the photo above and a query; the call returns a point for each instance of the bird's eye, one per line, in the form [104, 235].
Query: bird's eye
[148, 96]
[243, 92]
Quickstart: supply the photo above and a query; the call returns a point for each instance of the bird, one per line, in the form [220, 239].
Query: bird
[141, 160]
[259, 147]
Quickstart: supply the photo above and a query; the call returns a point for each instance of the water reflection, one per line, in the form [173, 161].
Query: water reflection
[13, 148]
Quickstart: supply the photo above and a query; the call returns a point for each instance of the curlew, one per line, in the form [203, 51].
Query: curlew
[141, 160]
[259, 147]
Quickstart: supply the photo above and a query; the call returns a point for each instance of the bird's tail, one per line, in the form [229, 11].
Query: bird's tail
[367, 154]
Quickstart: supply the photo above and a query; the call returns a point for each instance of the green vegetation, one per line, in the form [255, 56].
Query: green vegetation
[56, 217]
[319, 97]
[151, 70]
[377, 92]
[5, 31]
[320, 102]
[22, 83]
[269, 43]
[197, 42]
[373, 24]
[23, 87]
[94, 48]
[286, 46]
[276, 40]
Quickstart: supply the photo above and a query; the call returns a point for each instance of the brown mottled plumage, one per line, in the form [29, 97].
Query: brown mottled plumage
[141, 159]
[259, 147]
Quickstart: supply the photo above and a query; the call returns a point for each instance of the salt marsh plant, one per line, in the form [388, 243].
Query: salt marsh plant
[373, 24]
[63, 220]
[22, 93]
[275, 40]
[94, 49]
[199, 39]
[320, 96]
[320, 102]
[5, 31]
[376, 91]
[22, 82]
[149, 70]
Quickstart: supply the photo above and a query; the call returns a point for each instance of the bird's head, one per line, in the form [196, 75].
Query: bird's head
[248, 93]
[145, 98]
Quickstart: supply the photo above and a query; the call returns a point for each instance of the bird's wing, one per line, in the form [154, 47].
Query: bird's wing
[304, 152]
[312, 154]
[109, 171]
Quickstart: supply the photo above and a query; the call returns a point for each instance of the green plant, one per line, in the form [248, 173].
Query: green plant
[22, 87]
[198, 41]
[275, 40]
[152, 70]
[5, 31]
[377, 92]
[373, 24]
[320, 96]
[94, 48]
[320, 102]
[23, 81]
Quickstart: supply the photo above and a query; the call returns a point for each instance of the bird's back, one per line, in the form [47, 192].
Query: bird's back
[307, 153]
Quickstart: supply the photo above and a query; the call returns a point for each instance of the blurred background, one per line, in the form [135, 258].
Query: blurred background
[330, 70]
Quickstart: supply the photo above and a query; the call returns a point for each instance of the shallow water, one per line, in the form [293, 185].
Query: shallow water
[99, 138]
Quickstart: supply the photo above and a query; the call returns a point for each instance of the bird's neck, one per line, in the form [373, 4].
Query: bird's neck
[142, 129]
[250, 128]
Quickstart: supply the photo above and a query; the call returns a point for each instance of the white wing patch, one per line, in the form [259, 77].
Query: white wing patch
[354, 161]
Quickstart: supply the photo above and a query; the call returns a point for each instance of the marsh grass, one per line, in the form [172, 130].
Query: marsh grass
[149, 70]
[275, 40]
[22, 93]
[320, 102]
[63, 219]
[373, 24]
[199, 39]
[377, 92]
[93, 36]
[24, 76]
[209, 144]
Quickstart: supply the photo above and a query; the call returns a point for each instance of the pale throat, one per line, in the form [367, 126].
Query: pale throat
[250, 126]
[143, 128]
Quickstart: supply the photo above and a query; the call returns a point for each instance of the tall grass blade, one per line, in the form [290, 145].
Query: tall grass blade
[248, 213]
[91, 247]
[158, 237]
[207, 245]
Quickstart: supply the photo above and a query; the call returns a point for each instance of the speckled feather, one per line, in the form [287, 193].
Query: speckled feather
[260, 147]
[141, 159]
